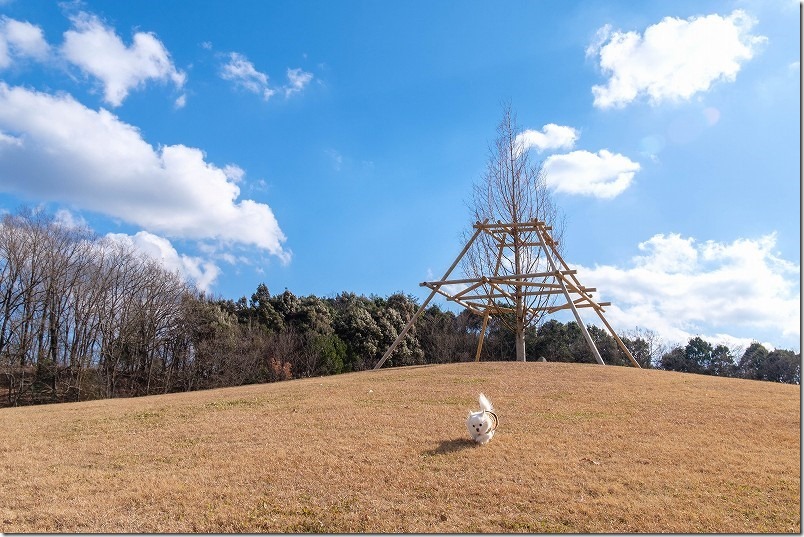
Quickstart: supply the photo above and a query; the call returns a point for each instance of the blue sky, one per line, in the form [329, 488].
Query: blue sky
[325, 146]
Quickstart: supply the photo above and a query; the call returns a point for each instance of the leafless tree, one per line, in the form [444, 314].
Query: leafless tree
[73, 305]
[513, 190]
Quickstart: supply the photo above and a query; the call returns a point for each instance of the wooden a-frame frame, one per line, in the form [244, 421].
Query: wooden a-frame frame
[479, 295]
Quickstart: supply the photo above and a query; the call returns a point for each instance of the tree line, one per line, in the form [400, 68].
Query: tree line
[85, 317]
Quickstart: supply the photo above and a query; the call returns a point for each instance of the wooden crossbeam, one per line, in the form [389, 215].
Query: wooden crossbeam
[462, 292]
[495, 307]
[483, 308]
[529, 244]
[580, 292]
[471, 302]
[566, 306]
[518, 225]
[493, 296]
[498, 278]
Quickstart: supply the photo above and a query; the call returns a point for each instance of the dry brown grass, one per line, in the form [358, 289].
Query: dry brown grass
[580, 448]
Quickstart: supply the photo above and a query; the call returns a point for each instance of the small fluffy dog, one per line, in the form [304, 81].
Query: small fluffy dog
[482, 424]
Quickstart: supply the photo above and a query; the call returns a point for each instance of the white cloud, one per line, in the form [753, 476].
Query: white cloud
[234, 173]
[89, 158]
[67, 219]
[680, 288]
[297, 80]
[552, 136]
[674, 59]
[21, 39]
[601, 36]
[602, 174]
[242, 72]
[97, 50]
[198, 271]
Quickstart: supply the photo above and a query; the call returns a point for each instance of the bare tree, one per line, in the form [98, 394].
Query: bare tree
[82, 316]
[513, 190]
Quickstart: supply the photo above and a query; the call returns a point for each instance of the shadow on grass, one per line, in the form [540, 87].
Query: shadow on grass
[451, 446]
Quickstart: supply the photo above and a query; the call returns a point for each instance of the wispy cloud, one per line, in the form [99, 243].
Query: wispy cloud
[674, 59]
[239, 70]
[242, 72]
[297, 81]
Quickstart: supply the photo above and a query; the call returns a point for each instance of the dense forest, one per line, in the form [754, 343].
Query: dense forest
[84, 317]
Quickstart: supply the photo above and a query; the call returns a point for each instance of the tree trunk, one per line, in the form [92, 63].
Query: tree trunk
[520, 343]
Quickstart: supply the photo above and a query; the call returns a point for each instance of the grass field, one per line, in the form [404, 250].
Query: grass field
[580, 448]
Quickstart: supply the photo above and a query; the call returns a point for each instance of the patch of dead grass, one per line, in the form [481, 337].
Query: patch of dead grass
[580, 448]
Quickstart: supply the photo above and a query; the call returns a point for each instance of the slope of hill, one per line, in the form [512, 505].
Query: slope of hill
[580, 448]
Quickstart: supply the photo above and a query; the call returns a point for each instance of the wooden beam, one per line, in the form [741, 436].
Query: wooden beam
[528, 244]
[490, 295]
[497, 279]
[553, 309]
[545, 274]
[583, 294]
[506, 226]
[493, 307]
[460, 294]
[493, 285]
[451, 298]
[482, 335]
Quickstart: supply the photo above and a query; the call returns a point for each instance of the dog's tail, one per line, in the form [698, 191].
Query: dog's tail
[485, 404]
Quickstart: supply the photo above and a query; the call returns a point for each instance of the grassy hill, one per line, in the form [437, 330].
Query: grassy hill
[580, 448]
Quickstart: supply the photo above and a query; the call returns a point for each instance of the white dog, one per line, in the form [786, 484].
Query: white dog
[483, 423]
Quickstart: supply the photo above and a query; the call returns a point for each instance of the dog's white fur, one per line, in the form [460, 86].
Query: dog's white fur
[483, 423]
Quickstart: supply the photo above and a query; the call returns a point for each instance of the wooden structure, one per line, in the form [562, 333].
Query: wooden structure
[481, 295]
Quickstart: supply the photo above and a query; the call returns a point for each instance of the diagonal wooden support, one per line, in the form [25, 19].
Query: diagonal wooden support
[427, 300]
[598, 310]
[586, 335]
